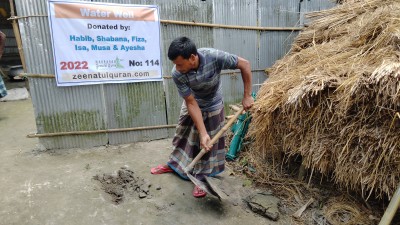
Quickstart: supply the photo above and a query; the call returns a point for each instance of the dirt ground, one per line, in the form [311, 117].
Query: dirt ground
[63, 186]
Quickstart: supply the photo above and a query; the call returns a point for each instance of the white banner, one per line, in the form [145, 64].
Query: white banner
[104, 43]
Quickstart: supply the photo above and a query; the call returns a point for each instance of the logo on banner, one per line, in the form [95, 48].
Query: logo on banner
[106, 64]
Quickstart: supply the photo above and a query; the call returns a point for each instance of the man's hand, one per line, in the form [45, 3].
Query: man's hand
[195, 114]
[205, 142]
[247, 102]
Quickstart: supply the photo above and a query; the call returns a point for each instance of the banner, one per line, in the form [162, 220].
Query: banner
[104, 43]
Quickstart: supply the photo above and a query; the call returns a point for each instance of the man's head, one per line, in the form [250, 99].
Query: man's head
[183, 53]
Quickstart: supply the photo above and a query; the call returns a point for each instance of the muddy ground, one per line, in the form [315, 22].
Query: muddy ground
[69, 186]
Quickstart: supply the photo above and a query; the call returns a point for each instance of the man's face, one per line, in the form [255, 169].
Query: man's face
[184, 65]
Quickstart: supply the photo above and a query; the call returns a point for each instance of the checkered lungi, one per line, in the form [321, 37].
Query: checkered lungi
[187, 145]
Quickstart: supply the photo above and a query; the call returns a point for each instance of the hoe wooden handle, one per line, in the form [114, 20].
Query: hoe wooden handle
[214, 139]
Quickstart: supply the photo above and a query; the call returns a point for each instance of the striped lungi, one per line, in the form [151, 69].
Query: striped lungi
[186, 144]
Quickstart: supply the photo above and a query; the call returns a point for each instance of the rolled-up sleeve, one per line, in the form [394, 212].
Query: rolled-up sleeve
[181, 84]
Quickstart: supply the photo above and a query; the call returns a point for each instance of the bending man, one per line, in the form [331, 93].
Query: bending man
[197, 76]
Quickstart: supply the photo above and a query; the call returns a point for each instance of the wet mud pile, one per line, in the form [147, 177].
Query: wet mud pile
[124, 183]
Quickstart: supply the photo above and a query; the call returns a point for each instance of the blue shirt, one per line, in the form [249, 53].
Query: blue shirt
[205, 84]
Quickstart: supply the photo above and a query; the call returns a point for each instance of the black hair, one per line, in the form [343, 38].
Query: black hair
[181, 46]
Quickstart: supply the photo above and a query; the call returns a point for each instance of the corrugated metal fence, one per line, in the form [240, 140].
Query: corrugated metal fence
[108, 107]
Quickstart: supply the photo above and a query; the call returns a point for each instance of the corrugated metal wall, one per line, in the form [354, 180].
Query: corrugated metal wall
[239, 42]
[275, 44]
[314, 5]
[110, 106]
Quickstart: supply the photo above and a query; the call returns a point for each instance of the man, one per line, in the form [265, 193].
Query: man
[197, 76]
[3, 90]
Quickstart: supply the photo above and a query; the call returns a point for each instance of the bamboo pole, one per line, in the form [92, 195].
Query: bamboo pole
[212, 25]
[17, 36]
[300, 211]
[99, 131]
[234, 108]
[38, 75]
[229, 117]
[391, 209]
[238, 71]
[231, 26]
[165, 77]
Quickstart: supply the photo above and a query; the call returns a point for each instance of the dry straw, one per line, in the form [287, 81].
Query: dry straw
[334, 97]
[344, 211]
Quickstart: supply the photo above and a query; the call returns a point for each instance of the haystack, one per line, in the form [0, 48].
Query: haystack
[334, 98]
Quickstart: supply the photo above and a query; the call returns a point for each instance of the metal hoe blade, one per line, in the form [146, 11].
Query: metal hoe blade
[213, 183]
[203, 186]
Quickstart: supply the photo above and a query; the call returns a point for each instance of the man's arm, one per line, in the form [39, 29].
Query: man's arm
[245, 70]
[195, 114]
